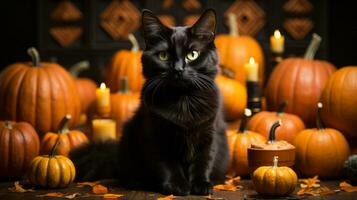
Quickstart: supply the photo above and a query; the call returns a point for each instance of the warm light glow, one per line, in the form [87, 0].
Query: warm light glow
[103, 86]
[277, 34]
[251, 60]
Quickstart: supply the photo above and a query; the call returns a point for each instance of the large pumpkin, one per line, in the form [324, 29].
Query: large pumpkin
[239, 142]
[321, 151]
[69, 139]
[263, 121]
[39, 93]
[234, 96]
[234, 51]
[19, 144]
[300, 81]
[340, 100]
[126, 63]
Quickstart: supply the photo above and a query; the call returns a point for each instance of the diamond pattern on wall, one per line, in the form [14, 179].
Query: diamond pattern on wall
[298, 28]
[167, 20]
[66, 11]
[191, 5]
[250, 17]
[66, 36]
[298, 6]
[120, 18]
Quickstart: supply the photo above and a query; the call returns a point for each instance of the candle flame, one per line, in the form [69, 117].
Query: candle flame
[251, 60]
[103, 86]
[277, 34]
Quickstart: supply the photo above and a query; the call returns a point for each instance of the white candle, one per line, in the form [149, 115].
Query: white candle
[252, 70]
[103, 129]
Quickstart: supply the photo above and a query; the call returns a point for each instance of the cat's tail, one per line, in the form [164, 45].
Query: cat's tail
[96, 161]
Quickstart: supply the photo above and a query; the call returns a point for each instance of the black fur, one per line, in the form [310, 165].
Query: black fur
[176, 141]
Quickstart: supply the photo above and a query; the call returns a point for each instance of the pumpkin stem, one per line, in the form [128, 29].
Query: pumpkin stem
[35, 56]
[313, 46]
[8, 124]
[77, 68]
[54, 148]
[243, 123]
[63, 126]
[232, 24]
[282, 107]
[124, 85]
[275, 161]
[319, 123]
[273, 130]
[135, 45]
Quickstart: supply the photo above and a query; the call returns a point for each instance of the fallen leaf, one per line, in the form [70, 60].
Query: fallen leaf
[347, 187]
[72, 196]
[19, 188]
[225, 187]
[112, 196]
[170, 197]
[233, 181]
[52, 194]
[99, 189]
[91, 184]
[321, 191]
[210, 197]
[310, 182]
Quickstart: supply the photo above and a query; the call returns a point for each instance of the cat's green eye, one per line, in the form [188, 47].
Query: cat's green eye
[163, 55]
[192, 55]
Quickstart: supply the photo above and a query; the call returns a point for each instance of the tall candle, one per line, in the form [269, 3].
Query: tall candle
[252, 70]
[103, 129]
[277, 42]
[103, 100]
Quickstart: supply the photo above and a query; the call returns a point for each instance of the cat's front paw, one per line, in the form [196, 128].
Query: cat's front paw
[178, 189]
[201, 188]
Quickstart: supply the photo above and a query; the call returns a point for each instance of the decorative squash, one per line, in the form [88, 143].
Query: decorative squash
[123, 105]
[69, 139]
[340, 100]
[350, 169]
[234, 97]
[239, 142]
[51, 171]
[39, 93]
[291, 124]
[299, 81]
[234, 51]
[321, 151]
[126, 63]
[274, 180]
[19, 144]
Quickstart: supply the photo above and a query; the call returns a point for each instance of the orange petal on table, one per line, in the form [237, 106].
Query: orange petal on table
[112, 196]
[91, 184]
[170, 197]
[52, 194]
[19, 188]
[233, 181]
[99, 189]
[347, 187]
[225, 187]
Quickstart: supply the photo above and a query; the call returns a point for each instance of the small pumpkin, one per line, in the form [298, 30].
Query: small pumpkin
[239, 142]
[340, 100]
[234, 97]
[19, 144]
[321, 151]
[274, 180]
[51, 171]
[299, 81]
[350, 169]
[263, 121]
[126, 63]
[69, 139]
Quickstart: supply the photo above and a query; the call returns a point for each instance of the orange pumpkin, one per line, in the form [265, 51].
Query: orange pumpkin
[263, 121]
[340, 99]
[69, 139]
[39, 93]
[19, 144]
[123, 105]
[300, 81]
[234, 51]
[239, 142]
[126, 64]
[234, 97]
[321, 151]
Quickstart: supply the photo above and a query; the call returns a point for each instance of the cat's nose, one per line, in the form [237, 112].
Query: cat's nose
[179, 68]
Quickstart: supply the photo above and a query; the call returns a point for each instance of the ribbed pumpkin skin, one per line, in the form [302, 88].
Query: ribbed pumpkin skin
[125, 64]
[340, 99]
[300, 82]
[40, 95]
[234, 52]
[321, 152]
[86, 89]
[238, 148]
[262, 122]
[18, 146]
[51, 172]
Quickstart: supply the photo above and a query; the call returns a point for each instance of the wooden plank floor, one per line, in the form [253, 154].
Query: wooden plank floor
[133, 195]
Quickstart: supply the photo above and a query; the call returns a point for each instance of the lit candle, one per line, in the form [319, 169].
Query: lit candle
[103, 100]
[277, 42]
[252, 70]
[103, 129]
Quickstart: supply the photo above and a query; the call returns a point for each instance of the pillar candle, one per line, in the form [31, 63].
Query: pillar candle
[252, 70]
[103, 100]
[277, 42]
[103, 129]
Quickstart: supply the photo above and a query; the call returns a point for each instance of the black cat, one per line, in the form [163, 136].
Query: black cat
[176, 141]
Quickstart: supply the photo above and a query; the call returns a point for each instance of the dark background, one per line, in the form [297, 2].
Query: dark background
[19, 31]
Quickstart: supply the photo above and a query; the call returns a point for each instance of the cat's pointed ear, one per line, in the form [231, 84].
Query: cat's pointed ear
[151, 25]
[206, 24]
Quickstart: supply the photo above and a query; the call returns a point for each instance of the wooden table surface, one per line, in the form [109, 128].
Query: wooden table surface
[129, 194]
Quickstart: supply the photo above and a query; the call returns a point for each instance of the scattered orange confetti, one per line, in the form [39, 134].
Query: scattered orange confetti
[91, 184]
[170, 197]
[19, 188]
[52, 194]
[347, 187]
[99, 189]
[225, 187]
[112, 196]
